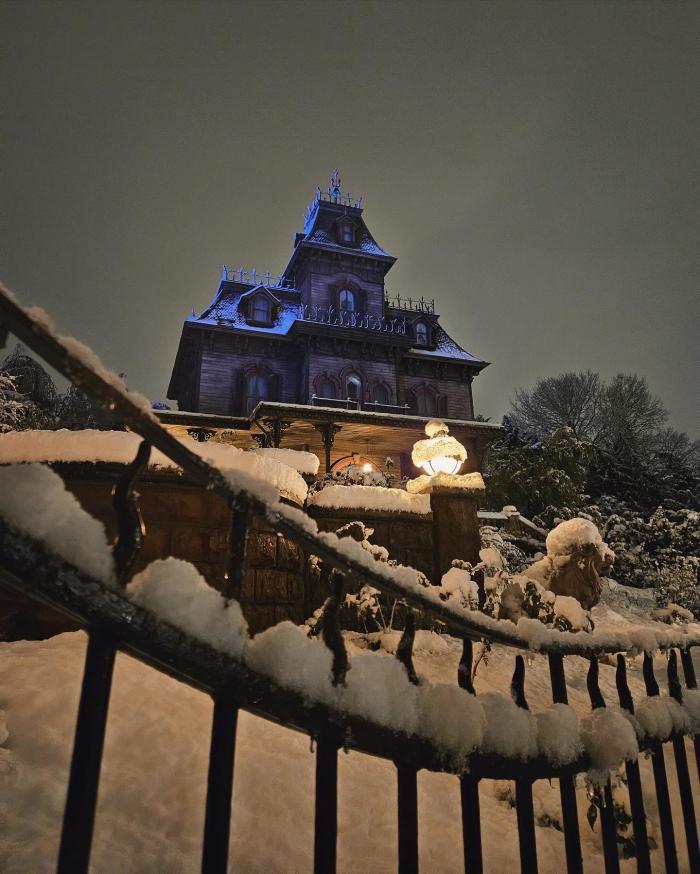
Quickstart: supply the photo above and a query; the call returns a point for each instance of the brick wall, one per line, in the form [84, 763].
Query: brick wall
[408, 537]
[193, 524]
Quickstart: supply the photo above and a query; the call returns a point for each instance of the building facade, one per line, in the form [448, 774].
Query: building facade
[324, 333]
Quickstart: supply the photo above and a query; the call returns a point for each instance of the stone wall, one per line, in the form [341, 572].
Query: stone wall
[188, 522]
[408, 537]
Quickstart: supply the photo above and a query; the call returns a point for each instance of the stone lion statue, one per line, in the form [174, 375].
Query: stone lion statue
[575, 561]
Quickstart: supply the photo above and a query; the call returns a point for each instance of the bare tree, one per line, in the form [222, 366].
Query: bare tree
[629, 414]
[620, 413]
[570, 399]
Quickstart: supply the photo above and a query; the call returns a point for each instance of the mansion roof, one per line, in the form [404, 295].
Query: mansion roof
[225, 311]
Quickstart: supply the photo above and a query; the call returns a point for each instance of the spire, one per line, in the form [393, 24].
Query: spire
[334, 190]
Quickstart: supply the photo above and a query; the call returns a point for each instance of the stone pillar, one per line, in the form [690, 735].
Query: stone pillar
[455, 528]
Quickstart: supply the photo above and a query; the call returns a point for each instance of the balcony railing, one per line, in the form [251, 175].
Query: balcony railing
[414, 305]
[340, 318]
[352, 404]
[253, 277]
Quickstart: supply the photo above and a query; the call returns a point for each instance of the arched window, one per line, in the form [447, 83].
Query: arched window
[381, 395]
[261, 308]
[421, 334]
[353, 387]
[425, 403]
[346, 300]
[347, 233]
[326, 389]
[256, 389]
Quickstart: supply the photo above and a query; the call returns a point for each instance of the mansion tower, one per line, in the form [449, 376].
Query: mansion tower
[323, 334]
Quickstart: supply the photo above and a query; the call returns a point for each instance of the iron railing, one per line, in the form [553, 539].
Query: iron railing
[114, 623]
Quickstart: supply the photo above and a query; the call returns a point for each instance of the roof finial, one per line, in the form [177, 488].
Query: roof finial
[335, 183]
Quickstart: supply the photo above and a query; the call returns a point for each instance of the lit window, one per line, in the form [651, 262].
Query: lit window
[347, 233]
[353, 385]
[381, 395]
[327, 389]
[261, 309]
[421, 334]
[346, 300]
[256, 390]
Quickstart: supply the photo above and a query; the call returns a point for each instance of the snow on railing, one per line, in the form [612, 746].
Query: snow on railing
[79, 364]
[382, 707]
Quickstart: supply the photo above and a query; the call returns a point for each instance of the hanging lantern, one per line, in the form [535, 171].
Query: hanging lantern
[440, 453]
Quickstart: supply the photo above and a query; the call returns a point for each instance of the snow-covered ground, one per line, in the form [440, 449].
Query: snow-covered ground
[150, 811]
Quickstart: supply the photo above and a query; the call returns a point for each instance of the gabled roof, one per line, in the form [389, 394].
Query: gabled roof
[225, 310]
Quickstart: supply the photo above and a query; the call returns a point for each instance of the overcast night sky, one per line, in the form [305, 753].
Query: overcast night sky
[533, 166]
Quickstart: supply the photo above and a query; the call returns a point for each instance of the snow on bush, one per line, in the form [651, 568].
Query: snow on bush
[558, 736]
[177, 593]
[302, 462]
[35, 501]
[575, 535]
[609, 739]
[570, 610]
[251, 470]
[370, 498]
[510, 730]
[458, 584]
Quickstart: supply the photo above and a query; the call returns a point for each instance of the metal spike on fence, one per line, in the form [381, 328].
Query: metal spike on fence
[517, 684]
[130, 527]
[466, 662]
[682, 771]
[674, 683]
[404, 651]
[594, 692]
[649, 679]
[332, 636]
[623, 690]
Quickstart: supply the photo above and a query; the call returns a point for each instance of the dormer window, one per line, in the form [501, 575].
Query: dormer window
[347, 233]
[421, 334]
[346, 300]
[262, 310]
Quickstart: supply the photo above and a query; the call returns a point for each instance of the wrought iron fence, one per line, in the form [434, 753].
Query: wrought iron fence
[114, 623]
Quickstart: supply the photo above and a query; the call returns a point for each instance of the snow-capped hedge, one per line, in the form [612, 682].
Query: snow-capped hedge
[120, 447]
[370, 498]
[302, 462]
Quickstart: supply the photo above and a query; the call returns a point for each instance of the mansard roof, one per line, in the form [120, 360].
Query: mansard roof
[324, 214]
[446, 347]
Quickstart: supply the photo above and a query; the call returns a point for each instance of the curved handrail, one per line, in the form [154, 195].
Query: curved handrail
[27, 567]
[71, 359]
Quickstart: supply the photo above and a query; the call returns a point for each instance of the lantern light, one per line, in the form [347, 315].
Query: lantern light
[367, 467]
[440, 453]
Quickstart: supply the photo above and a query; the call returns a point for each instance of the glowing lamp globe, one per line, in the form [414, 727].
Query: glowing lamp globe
[440, 453]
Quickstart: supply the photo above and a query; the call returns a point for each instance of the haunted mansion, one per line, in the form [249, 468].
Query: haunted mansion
[296, 358]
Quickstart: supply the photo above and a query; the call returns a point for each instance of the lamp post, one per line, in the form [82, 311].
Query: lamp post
[454, 497]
